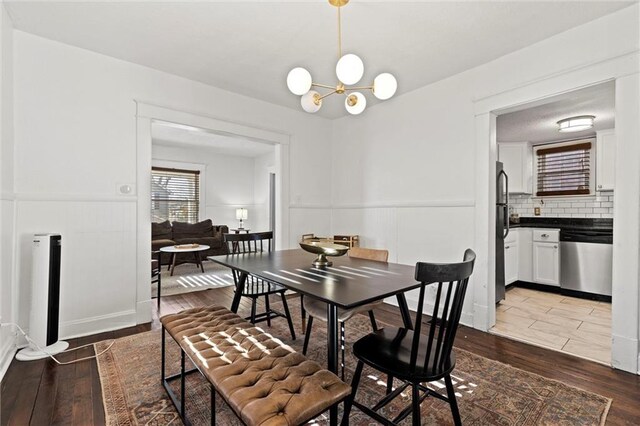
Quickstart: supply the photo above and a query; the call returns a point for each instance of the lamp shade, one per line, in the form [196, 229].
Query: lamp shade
[384, 86]
[241, 214]
[299, 81]
[576, 124]
[355, 103]
[350, 69]
[311, 101]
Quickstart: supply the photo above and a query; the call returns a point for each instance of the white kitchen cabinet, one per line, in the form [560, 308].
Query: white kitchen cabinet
[605, 160]
[511, 257]
[546, 256]
[525, 255]
[517, 160]
[510, 263]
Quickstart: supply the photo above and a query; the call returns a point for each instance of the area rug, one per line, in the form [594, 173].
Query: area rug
[188, 277]
[488, 392]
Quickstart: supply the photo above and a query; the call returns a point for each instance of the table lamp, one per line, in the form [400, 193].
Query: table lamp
[241, 214]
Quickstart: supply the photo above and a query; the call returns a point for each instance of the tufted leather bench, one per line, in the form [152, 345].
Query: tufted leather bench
[263, 380]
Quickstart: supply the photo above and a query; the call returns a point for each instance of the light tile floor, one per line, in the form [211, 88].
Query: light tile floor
[567, 324]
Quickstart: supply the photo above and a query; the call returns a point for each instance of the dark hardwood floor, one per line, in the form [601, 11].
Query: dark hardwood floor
[42, 393]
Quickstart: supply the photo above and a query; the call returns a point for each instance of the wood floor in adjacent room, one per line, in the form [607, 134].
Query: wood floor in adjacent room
[568, 324]
[42, 393]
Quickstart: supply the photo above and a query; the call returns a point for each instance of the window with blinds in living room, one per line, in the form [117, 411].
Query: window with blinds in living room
[175, 195]
[564, 168]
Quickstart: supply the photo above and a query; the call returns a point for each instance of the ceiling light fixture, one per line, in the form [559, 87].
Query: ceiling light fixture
[349, 70]
[576, 124]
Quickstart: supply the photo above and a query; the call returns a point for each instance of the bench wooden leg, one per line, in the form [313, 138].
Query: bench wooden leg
[179, 405]
[182, 387]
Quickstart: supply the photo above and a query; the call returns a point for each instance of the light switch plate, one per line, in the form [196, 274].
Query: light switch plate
[536, 211]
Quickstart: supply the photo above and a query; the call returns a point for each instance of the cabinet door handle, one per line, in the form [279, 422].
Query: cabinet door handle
[506, 247]
[545, 235]
[599, 186]
[555, 247]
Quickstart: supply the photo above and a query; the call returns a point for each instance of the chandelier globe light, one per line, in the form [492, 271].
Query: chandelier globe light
[349, 70]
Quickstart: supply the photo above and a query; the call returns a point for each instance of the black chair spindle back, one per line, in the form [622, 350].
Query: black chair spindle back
[249, 243]
[452, 281]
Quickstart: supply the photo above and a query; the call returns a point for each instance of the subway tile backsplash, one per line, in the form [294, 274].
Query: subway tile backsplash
[600, 206]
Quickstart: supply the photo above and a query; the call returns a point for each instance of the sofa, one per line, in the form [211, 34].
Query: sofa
[169, 234]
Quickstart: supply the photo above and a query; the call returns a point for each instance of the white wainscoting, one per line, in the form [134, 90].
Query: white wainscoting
[98, 270]
[434, 232]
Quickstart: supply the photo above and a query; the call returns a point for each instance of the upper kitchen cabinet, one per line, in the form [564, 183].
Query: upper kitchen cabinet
[516, 158]
[605, 159]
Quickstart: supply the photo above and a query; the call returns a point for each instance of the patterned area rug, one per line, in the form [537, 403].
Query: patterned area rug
[489, 392]
[188, 277]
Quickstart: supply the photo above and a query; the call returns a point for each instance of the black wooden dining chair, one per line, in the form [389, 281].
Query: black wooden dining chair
[318, 309]
[412, 357]
[156, 273]
[255, 287]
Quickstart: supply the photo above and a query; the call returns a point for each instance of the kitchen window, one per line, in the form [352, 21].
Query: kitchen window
[175, 195]
[564, 169]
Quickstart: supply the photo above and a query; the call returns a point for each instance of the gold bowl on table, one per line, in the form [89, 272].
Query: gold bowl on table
[323, 249]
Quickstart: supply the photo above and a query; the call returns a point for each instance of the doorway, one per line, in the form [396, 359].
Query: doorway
[560, 210]
[146, 116]
[626, 231]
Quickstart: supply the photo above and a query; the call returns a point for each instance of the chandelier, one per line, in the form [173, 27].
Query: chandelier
[349, 70]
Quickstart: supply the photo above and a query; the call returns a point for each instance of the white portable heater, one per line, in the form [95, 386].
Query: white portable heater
[45, 299]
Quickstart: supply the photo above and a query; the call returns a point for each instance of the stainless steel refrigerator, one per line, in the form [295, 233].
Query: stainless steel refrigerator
[502, 226]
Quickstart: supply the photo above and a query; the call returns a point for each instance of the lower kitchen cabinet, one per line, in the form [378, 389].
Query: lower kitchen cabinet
[546, 263]
[511, 257]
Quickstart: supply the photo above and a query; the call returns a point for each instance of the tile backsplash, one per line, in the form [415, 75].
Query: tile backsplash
[599, 206]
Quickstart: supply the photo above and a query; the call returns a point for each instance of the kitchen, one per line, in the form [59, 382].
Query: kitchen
[554, 230]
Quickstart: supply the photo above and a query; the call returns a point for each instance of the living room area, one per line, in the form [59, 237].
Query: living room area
[204, 185]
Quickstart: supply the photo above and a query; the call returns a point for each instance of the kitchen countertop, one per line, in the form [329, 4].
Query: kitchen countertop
[564, 223]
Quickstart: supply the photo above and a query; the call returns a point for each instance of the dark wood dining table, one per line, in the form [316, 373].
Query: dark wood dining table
[348, 283]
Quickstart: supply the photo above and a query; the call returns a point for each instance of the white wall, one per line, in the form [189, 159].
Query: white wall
[75, 132]
[404, 172]
[264, 165]
[229, 182]
[7, 204]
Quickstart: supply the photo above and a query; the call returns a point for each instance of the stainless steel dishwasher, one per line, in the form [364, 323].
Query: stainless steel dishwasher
[585, 260]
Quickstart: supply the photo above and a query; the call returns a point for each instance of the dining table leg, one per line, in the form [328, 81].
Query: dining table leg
[404, 311]
[332, 355]
[240, 278]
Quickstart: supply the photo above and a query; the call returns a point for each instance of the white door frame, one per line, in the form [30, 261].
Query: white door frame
[146, 114]
[625, 70]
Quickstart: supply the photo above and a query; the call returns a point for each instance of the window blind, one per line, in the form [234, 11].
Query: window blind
[175, 195]
[564, 170]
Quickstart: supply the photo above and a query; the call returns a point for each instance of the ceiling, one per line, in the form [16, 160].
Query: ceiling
[539, 123]
[249, 47]
[177, 135]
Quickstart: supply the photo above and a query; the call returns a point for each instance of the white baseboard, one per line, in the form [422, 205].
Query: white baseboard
[7, 351]
[97, 324]
[624, 354]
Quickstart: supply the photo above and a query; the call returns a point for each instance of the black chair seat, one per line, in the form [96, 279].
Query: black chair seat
[389, 350]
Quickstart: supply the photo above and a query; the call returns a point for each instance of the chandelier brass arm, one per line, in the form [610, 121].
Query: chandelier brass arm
[349, 71]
